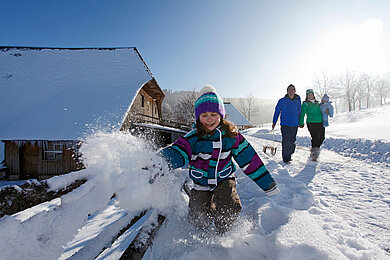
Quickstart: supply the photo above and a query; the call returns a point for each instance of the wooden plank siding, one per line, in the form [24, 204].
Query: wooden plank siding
[144, 108]
[48, 169]
[26, 161]
[148, 107]
[12, 158]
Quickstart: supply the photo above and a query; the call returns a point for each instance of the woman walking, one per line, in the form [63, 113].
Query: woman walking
[314, 121]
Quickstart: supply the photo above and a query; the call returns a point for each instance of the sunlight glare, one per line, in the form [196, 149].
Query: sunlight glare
[359, 49]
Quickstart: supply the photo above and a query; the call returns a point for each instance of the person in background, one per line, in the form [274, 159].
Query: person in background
[208, 151]
[326, 109]
[314, 121]
[289, 109]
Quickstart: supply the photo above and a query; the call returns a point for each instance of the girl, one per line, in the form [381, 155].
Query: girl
[208, 150]
[311, 108]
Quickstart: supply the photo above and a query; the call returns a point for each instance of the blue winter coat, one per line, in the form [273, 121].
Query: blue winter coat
[289, 111]
[326, 106]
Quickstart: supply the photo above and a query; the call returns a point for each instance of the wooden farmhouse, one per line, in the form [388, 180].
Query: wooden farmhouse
[53, 97]
[235, 116]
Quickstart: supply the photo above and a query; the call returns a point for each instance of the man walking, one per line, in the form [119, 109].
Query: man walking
[289, 109]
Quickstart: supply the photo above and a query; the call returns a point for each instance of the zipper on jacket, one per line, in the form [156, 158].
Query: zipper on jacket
[219, 156]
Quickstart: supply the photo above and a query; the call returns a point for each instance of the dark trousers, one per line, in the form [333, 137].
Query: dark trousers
[222, 205]
[289, 136]
[317, 133]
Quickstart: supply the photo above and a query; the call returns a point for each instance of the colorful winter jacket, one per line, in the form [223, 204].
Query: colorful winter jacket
[313, 112]
[326, 106]
[289, 110]
[210, 159]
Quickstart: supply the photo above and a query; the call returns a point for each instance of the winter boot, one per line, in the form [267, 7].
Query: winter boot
[314, 153]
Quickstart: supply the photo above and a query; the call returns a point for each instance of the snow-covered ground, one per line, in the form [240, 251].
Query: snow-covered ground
[336, 208]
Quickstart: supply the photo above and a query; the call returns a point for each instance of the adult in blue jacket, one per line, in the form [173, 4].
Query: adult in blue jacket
[289, 109]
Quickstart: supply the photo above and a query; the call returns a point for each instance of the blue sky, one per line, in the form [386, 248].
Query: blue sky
[241, 47]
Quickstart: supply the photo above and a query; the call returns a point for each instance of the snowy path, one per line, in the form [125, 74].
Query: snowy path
[360, 188]
[337, 208]
[358, 193]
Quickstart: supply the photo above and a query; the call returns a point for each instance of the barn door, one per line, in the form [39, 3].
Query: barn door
[29, 158]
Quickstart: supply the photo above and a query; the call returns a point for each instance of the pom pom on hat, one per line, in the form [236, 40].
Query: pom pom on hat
[209, 101]
[206, 89]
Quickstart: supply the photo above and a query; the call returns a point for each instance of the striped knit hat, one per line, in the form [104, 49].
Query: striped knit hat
[309, 91]
[209, 101]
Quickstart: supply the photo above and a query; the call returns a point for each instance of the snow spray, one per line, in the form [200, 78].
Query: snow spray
[124, 164]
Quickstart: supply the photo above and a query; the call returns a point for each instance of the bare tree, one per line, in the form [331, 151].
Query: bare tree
[179, 106]
[167, 110]
[248, 107]
[240, 105]
[381, 89]
[347, 87]
[261, 109]
[360, 91]
[369, 81]
[185, 107]
[323, 83]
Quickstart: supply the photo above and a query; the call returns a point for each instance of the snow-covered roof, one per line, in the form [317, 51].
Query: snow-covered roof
[64, 93]
[235, 116]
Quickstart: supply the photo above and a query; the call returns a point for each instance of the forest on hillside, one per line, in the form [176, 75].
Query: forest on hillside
[179, 106]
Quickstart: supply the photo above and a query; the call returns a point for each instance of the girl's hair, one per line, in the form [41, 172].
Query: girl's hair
[315, 100]
[227, 126]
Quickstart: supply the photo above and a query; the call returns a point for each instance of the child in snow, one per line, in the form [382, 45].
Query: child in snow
[314, 122]
[208, 151]
[326, 109]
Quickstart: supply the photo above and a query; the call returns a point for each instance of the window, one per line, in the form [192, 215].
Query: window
[142, 101]
[52, 151]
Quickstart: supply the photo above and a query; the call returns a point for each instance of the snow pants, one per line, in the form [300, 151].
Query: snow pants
[222, 205]
[317, 133]
[289, 136]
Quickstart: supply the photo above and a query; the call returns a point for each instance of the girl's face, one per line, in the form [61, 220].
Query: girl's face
[210, 120]
[310, 96]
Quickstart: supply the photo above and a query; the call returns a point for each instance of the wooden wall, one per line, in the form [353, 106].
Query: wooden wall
[149, 107]
[12, 159]
[26, 161]
[138, 113]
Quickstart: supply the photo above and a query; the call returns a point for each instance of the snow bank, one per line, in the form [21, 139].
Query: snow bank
[377, 151]
[62, 181]
[362, 134]
[367, 150]
[370, 123]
